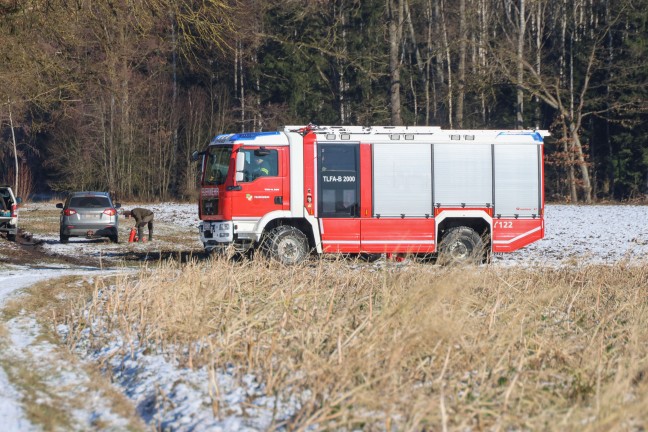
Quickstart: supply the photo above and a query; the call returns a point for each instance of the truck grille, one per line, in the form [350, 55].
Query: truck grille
[210, 206]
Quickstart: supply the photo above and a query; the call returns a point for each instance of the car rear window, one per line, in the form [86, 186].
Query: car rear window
[90, 202]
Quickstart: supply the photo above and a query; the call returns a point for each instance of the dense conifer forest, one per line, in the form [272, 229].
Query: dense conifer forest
[115, 95]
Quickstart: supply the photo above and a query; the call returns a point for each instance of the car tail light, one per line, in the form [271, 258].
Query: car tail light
[110, 212]
[69, 212]
[14, 207]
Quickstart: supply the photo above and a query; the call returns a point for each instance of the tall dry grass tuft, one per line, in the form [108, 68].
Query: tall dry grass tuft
[402, 347]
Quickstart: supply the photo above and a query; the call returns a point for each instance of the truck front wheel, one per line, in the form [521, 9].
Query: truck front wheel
[286, 244]
[461, 245]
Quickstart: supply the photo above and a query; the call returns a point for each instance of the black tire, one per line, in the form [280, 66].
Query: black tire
[64, 239]
[11, 237]
[369, 257]
[285, 244]
[114, 238]
[461, 245]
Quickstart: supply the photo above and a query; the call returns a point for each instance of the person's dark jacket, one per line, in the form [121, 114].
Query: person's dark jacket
[141, 215]
[142, 218]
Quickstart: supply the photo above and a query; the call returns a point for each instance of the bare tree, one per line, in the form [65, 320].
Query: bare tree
[572, 93]
[395, 26]
[519, 106]
[461, 71]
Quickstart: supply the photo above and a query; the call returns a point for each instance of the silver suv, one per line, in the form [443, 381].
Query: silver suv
[8, 212]
[90, 215]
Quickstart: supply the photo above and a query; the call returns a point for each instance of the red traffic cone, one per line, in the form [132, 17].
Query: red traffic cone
[131, 237]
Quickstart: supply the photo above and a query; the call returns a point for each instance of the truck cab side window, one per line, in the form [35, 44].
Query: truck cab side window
[260, 165]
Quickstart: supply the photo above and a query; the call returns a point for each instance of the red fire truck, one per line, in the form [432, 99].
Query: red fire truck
[452, 194]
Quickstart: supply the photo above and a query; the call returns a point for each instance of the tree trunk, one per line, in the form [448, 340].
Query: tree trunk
[462, 63]
[15, 147]
[342, 84]
[174, 120]
[575, 121]
[446, 48]
[395, 30]
[242, 87]
[582, 163]
[569, 164]
[519, 107]
[538, 60]
[481, 54]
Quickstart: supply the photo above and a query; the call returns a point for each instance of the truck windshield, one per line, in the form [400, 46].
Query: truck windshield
[217, 164]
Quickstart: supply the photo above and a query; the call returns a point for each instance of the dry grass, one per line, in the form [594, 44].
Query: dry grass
[49, 401]
[41, 218]
[414, 348]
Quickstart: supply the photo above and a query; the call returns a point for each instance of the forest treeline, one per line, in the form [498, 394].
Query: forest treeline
[115, 95]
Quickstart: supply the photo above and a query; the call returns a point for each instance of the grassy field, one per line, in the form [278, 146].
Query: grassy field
[391, 346]
[419, 347]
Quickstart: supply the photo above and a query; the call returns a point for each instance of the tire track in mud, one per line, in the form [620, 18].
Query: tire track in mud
[30, 251]
[27, 251]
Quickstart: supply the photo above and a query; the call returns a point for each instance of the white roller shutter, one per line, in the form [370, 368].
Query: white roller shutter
[463, 174]
[402, 179]
[517, 190]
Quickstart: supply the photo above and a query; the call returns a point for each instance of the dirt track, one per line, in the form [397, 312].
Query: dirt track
[31, 251]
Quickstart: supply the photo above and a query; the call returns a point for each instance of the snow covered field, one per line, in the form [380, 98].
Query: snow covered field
[580, 235]
[575, 236]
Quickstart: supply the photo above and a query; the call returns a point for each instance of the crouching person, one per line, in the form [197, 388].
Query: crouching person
[142, 217]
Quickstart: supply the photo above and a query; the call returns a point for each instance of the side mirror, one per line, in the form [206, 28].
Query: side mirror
[117, 205]
[240, 166]
[59, 205]
[195, 155]
[18, 200]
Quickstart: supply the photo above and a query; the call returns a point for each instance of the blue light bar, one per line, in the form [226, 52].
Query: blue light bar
[534, 134]
[244, 136]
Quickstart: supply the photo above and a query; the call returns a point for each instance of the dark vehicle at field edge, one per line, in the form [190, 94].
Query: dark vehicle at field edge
[8, 212]
[89, 215]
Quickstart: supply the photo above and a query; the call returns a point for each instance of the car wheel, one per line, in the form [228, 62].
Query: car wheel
[285, 244]
[11, 237]
[63, 238]
[461, 245]
[114, 238]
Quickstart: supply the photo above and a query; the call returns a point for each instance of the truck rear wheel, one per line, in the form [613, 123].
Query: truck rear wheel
[461, 245]
[286, 244]
[369, 257]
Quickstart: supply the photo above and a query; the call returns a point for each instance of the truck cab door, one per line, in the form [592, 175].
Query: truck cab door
[261, 190]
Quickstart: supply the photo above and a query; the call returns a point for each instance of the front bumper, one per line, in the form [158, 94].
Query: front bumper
[216, 235]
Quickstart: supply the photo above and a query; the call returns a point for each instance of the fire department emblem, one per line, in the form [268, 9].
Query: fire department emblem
[248, 197]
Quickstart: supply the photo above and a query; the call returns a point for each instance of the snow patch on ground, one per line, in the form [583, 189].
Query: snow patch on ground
[582, 235]
[170, 397]
[11, 411]
[28, 350]
[65, 385]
